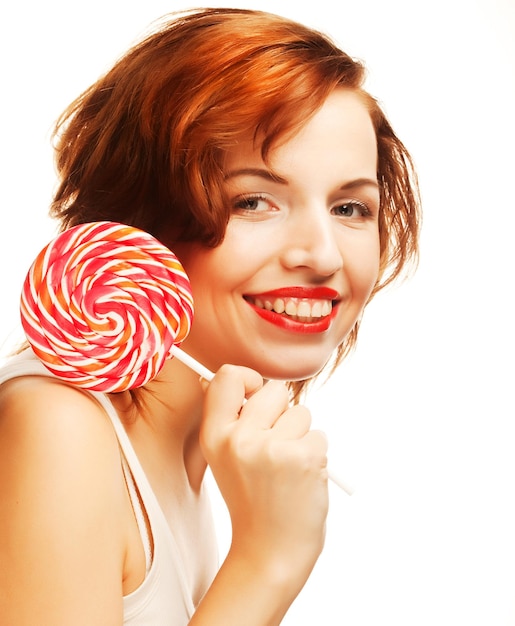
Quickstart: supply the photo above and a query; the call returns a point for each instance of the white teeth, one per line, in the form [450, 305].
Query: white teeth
[293, 307]
[279, 307]
[316, 309]
[303, 310]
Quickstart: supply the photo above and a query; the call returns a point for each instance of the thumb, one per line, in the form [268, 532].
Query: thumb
[225, 396]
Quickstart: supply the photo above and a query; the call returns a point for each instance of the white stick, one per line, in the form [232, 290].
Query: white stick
[208, 375]
[339, 481]
[192, 363]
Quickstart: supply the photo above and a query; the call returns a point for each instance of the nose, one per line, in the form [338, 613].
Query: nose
[312, 242]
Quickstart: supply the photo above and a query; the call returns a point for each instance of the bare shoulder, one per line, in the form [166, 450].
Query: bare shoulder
[47, 411]
[45, 421]
[56, 436]
[62, 502]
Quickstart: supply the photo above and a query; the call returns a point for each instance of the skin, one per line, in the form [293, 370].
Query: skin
[309, 230]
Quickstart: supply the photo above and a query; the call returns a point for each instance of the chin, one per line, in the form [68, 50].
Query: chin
[291, 374]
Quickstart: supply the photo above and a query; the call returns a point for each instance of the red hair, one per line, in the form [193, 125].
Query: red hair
[144, 145]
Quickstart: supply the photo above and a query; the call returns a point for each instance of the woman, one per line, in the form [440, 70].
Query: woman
[245, 143]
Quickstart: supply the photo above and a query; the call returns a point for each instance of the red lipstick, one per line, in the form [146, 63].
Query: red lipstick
[314, 293]
[315, 324]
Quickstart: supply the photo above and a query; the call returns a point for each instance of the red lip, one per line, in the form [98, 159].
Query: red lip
[293, 325]
[315, 293]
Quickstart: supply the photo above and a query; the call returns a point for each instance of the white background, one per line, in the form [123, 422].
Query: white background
[421, 417]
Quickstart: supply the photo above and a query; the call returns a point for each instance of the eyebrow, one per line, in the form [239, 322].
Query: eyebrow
[276, 178]
[361, 182]
[257, 171]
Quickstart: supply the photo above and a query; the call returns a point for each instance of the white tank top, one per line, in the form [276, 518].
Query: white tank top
[163, 599]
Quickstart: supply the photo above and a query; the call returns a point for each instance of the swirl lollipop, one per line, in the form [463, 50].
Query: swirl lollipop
[103, 305]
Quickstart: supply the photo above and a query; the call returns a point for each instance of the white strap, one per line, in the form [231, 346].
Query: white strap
[137, 507]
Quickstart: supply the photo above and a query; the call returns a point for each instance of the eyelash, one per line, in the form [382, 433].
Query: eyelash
[361, 206]
[242, 204]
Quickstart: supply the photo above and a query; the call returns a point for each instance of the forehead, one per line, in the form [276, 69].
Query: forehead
[341, 129]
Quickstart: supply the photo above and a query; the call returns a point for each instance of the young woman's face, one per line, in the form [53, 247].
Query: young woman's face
[301, 251]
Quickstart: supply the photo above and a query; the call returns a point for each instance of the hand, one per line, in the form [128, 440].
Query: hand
[271, 470]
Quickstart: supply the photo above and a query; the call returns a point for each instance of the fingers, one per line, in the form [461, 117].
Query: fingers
[263, 409]
[318, 444]
[226, 394]
[293, 423]
[233, 393]
[242, 417]
[238, 393]
[308, 452]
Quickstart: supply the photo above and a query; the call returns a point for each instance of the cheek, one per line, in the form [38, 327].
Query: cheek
[363, 266]
[214, 272]
[231, 263]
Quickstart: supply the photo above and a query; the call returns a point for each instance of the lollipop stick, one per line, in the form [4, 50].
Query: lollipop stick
[192, 363]
[338, 481]
[197, 367]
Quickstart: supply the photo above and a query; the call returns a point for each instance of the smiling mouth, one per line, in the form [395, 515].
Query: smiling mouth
[305, 310]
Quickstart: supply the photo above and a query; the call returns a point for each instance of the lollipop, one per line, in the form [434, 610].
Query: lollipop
[103, 305]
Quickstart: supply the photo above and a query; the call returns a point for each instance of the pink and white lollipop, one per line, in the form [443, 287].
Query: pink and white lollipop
[103, 305]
